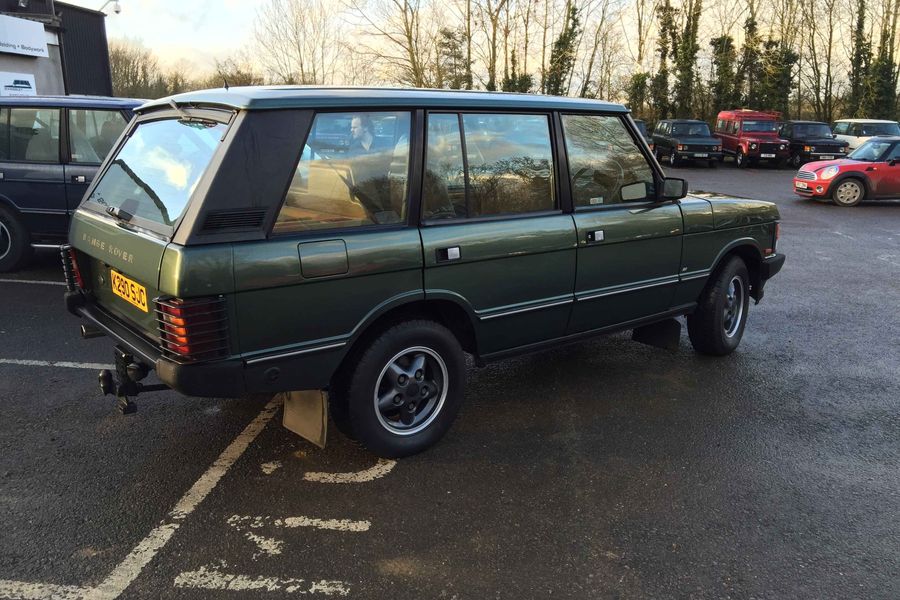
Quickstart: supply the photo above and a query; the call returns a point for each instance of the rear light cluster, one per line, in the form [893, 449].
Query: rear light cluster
[195, 329]
[71, 271]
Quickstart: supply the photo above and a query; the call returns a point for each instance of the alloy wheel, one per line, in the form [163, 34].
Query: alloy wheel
[734, 306]
[411, 390]
[5, 241]
[848, 192]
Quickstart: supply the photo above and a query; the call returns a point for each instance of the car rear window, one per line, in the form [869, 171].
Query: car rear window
[152, 177]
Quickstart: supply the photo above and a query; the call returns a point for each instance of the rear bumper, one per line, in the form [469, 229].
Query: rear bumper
[223, 378]
[771, 265]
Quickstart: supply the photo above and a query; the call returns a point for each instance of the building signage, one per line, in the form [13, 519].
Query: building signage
[21, 36]
[17, 84]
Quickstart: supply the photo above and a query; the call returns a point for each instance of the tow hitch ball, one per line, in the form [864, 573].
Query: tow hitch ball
[125, 382]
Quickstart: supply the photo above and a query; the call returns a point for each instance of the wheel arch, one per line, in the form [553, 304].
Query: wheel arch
[7, 203]
[748, 250]
[452, 313]
[861, 177]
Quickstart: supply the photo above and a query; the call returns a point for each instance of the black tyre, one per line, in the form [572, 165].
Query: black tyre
[740, 159]
[714, 164]
[716, 327]
[796, 161]
[848, 192]
[15, 247]
[403, 393]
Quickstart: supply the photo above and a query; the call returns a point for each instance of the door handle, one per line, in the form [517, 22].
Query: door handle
[78, 179]
[448, 254]
[595, 236]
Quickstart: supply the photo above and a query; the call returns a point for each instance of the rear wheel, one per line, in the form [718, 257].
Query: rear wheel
[15, 249]
[849, 192]
[717, 326]
[403, 393]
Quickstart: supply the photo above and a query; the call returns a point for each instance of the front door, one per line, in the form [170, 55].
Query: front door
[886, 179]
[493, 235]
[629, 245]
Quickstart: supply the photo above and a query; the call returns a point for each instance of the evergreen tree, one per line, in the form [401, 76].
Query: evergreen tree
[665, 46]
[451, 69]
[723, 84]
[562, 56]
[637, 92]
[777, 77]
[750, 69]
[515, 81]
[860, 60]
[685, 50]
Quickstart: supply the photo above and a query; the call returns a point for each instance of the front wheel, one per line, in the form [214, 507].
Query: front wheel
[405, 390]
[717, 326]
[849, 192]
[673, 158]
[740, 159]
[796, 161]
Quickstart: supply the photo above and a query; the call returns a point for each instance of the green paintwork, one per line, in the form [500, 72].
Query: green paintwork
[505, 266]
[738, 212]
[698, 215]
[196, 271]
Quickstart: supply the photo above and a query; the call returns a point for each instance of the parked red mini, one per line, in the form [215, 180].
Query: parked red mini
[751, 136]
[869, 172]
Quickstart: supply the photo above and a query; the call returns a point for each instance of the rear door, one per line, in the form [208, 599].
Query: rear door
[629, 245]
[342, 251]
[31, 172]
[91, 134]
[494, 237]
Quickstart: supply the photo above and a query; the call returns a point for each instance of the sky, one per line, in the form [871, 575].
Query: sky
[195, 31]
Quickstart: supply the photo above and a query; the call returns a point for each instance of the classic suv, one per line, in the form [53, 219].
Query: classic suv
[50, 149]
[869, 172]
[686, 139]
[857, 131]
[811, 140]
[231, 248]
[751, 136]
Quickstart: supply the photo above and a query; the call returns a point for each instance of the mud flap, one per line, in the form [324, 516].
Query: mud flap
[664, 334]
[306, 414]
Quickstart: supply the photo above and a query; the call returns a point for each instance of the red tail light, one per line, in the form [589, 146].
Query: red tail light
[72, 273]
[194, 329]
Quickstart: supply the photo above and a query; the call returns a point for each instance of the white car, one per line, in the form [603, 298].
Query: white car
[857, 131]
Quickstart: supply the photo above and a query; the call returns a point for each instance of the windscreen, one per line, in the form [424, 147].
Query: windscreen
[870, 151]
[691, 129]
[153, 176]
[812, 130]
[760, 126]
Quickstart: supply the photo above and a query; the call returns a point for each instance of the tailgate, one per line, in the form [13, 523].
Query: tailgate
[109, 254]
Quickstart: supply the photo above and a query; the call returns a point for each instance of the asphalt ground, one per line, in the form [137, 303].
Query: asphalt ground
[605, 469]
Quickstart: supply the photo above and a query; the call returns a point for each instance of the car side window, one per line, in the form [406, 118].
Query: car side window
[603, 158]
[735, 127]
[353, 171]
[508, 166]
[33, 135]
[841, 128]
[720, 125]
[894, 154]
[92, 133]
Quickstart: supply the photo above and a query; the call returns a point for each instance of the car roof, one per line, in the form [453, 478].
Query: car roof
[864, 121]
[71, 101]
[799, 122]
[885, 138]
[275, 97]
[684, 121]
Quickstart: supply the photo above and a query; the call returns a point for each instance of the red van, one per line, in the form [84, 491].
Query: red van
[751, 136]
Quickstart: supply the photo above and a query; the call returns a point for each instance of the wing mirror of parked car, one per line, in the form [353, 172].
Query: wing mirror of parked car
[892, 162]
[674, 188]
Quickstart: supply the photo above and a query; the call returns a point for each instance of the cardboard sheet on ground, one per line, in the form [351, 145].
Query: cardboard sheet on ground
[306, 414]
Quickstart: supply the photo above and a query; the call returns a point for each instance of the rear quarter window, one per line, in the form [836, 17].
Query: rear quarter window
[156, 171]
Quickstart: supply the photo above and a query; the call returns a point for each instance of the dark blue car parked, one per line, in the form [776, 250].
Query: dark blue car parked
[50, 149]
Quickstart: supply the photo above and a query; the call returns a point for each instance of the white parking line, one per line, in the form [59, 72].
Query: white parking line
[40, 591]
[381, 468]
[54, 363]
[33, 281]
[211, 578]
[130, 568]
[273, 546]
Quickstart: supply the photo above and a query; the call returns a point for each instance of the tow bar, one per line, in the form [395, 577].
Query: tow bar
[125, 384]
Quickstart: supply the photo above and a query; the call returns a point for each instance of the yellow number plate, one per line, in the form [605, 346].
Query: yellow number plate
[130, 291]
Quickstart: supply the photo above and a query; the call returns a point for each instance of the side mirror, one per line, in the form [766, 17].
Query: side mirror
[834, 135]
[634, 191]
[674, 188]
[893, 162]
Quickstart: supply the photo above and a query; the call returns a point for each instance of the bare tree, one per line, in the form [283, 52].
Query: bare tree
[135, 70]
[298, 41]
[821, 20]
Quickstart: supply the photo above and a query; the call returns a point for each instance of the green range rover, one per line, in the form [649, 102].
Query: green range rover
[361, 241]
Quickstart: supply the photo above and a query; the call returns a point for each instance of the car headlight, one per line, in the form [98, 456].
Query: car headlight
[781, 146]
[829, 172]
[753, 146]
